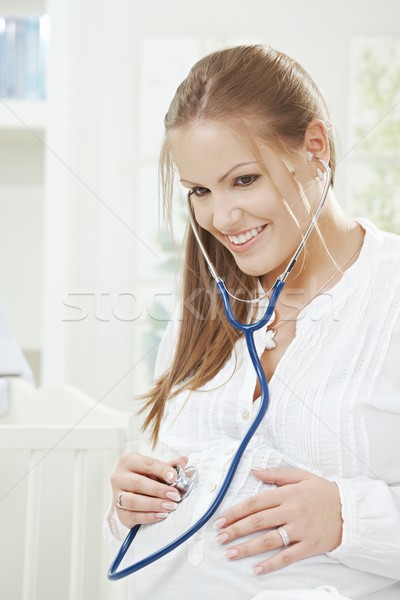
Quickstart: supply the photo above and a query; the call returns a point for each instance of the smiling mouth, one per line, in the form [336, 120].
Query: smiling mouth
[243, 238]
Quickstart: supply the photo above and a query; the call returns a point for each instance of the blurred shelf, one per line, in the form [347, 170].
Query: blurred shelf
[22, 114]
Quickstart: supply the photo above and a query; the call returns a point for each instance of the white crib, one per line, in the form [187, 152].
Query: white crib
[57, 450]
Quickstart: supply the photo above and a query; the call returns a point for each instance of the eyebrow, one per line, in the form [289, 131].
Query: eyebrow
[221, 179]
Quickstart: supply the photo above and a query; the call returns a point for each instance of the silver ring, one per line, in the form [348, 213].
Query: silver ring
[118, 503]
[284, 535]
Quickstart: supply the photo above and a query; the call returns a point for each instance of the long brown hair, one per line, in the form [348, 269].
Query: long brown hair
[244, 84]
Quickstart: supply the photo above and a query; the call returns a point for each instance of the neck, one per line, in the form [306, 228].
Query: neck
[326, 252]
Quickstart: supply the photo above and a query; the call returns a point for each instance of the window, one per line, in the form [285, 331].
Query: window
[375, 159]
[165, 62]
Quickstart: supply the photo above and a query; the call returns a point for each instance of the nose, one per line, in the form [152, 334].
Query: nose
[225, 212]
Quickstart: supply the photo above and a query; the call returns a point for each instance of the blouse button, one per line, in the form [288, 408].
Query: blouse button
[245, 415]
[212, 487]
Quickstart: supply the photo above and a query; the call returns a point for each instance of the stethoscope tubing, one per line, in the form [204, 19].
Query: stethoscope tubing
[248, 329]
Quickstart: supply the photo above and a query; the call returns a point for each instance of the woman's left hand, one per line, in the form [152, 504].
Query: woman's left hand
[307, 507]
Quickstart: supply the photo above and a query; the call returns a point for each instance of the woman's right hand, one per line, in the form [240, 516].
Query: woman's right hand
[143, 485]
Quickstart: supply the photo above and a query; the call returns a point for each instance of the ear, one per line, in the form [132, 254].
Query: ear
[316, 139]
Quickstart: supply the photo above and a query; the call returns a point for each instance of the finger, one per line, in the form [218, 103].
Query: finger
[130, 519]
[259, 521]
[250, 506]
[269, 540]
[281, 476]
[136, 509]
[145, 486]
[182, 461]
[147, 465]
[137, 503]
[287, 556]
[142, 474]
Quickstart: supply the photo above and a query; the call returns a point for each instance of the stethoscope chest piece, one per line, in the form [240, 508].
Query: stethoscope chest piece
[185, 481]
[186, 478]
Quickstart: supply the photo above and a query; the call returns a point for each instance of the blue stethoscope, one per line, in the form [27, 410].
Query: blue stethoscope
[186, 479]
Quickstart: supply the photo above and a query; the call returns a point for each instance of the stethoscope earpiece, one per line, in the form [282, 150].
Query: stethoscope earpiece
[186, 478]
[320, 173]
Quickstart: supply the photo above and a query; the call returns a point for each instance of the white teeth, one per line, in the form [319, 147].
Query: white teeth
[245, 237]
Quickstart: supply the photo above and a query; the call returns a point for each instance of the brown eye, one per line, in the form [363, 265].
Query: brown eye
[199, 192]
[246, 180]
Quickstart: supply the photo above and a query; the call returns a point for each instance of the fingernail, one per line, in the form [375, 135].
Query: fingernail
[256, 570]
[173, 496]
[219, 523]
[231, 553]
[257, 469]
[170, 476]
[162, 515]
[222, 538]
[169, 505]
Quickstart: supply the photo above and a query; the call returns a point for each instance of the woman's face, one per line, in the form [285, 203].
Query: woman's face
[236, 203]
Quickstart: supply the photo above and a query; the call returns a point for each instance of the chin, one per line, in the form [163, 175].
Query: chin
[253, 271]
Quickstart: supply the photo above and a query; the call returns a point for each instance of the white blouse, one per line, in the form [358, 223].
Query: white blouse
[334, 410]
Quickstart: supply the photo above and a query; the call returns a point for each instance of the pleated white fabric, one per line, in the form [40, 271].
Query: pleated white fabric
[334, 411]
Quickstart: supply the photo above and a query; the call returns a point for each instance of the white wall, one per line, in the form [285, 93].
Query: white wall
[21, 230]
[98, 118]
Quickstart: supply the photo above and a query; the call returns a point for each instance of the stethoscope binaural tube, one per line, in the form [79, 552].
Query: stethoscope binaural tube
[293, 260]
[248, 329]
